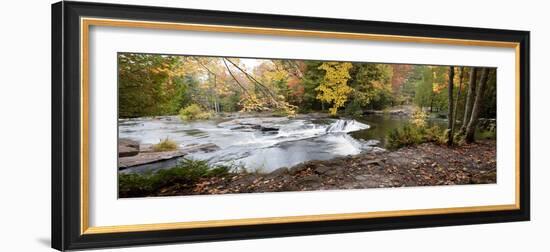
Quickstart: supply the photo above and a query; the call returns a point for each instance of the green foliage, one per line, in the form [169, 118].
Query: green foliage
[149, 84]
[185, 173]
[372, 85]
[230, 103]
[423, 86]
[194, 112]
[431, 85]
[310, 81]
[407, 135]
[410, 134]
[486, 135]
[353, 108]
[165, 145]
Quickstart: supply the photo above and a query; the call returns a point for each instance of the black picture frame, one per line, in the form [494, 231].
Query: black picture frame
[66, 114]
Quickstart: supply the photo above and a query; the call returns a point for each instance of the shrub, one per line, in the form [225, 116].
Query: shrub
[194, 112]
[165, 145]
[187, 172]
[487, 135]
[434, 134]
[418, 118]
[410, 134]
[407, 135]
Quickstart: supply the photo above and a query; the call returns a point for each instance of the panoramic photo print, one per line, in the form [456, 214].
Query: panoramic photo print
[202, 125]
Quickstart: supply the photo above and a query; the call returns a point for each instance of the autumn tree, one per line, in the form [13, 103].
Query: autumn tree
[333, 88]
[371, 85]
[149, 84]
[400, 74]
[295, 70]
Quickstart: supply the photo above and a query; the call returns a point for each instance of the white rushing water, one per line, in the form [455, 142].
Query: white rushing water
[346, 126]
[263, 144]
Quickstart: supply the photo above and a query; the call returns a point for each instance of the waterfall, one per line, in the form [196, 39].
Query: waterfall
[344, 125]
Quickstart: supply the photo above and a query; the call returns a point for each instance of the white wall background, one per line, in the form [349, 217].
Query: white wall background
[25, 125]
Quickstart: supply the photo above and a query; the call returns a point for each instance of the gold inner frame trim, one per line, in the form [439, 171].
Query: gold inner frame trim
[85, 24]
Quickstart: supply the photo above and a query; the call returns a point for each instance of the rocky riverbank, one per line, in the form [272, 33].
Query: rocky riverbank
[132, 154]
[426, 164]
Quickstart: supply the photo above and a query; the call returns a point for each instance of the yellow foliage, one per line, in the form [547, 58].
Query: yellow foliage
[333, 88]
[253, 103]
[418, 118]
[436, 88]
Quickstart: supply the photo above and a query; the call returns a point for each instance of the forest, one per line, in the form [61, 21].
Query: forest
[453, 106]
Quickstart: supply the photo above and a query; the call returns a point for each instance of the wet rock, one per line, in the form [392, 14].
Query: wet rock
[377, 150]
[210, 147]
[127, 147]
[268, 129]
[371, 142]
[248, 127]
[242, 128]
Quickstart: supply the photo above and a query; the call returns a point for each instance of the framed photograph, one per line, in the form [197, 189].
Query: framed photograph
[179, 125]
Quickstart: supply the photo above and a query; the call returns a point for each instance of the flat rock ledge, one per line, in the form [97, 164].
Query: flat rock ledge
[147, 155]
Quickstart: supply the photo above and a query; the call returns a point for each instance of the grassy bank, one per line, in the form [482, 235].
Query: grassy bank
[185, 174]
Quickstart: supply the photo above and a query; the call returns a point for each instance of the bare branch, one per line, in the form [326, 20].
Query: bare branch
[251, 78]
[234, 78]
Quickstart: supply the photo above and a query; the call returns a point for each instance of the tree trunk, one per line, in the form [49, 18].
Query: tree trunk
[469, 100]
[215, 95]
[470, 130]
[432, 102]
[450, 110]
[460, 79]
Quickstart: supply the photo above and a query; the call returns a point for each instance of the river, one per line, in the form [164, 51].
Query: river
[264, 144]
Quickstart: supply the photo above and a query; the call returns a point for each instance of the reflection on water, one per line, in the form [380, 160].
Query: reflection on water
[265, 143]
[381, 125]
